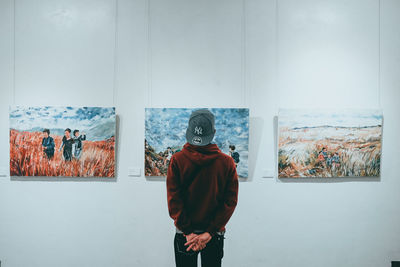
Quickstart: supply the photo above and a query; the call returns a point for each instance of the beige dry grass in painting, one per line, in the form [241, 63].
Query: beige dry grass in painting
[326, 143]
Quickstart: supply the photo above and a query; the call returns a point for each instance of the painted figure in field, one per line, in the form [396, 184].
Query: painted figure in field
[234, 154]
[168, 157]
[48, 144]
[67, 143]
[78, 145]
[328, 160]
[335, 160]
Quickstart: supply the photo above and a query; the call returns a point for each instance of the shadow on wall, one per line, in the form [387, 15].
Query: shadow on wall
[255, 133]
[314, 180]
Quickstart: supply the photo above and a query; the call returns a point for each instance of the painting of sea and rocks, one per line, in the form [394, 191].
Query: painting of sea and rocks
[165, 134]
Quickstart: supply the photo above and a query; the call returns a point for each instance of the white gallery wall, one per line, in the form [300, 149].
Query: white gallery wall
[261, 54]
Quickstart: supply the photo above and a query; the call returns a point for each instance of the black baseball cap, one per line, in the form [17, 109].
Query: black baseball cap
[201, 128]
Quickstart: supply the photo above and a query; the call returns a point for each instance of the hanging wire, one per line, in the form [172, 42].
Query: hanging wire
[115, 55]
[149, 57]
[14, 76]
[243, 56]
[379, 55]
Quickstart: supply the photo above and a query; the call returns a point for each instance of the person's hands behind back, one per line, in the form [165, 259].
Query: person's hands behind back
[195, 245]
[197, 242]
[189, 237]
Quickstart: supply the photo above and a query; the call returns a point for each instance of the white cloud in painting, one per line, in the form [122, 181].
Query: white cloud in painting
[298, 118]
[97, 122]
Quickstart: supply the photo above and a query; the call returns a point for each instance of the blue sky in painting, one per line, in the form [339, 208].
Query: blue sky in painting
[293, 118]
[97, 122]
[167, 127]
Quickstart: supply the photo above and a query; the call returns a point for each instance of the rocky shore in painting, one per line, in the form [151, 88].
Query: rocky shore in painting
[156, 164]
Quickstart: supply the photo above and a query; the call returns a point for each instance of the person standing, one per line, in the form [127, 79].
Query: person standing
[234, 154]
[336, 160]
[78, 146]
[202, 193]
[67, 143]
[168, 157]
[48, 144]
[325, 153]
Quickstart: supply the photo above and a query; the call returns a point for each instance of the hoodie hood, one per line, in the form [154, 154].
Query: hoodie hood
[201, 155]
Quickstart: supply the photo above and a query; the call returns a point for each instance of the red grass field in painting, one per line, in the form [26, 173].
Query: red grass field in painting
[28, 159]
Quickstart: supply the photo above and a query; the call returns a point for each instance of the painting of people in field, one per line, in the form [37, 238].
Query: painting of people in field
[62, 141]
[165, 134]
[329, 143]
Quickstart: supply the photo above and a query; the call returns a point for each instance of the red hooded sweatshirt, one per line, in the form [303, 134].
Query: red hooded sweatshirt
[202, 188]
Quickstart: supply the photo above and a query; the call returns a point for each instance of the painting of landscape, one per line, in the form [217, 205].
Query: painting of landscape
[329, 143]
[62, 141]
[165, 134]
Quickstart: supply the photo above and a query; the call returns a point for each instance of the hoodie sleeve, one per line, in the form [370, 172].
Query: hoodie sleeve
[228, 204]
[175, 199]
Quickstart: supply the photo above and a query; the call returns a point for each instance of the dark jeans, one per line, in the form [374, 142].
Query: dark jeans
[49, 153]
[211, 255]
[67, 154]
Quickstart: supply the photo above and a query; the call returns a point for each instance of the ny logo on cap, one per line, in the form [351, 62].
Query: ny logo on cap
[198, 130]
